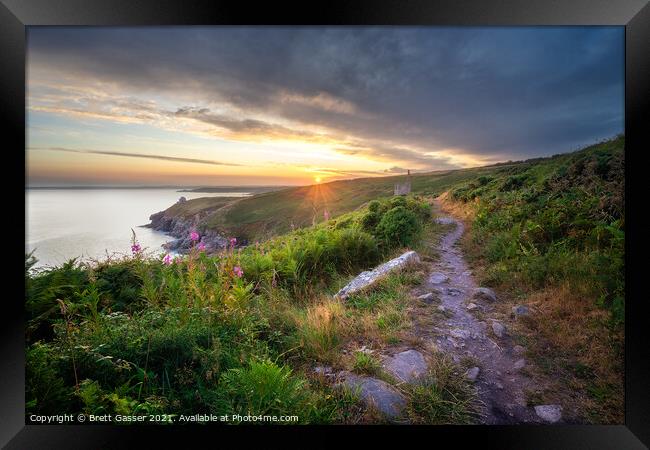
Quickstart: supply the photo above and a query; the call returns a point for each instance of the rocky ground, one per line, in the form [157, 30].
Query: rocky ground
[453, 315]
[181, 227]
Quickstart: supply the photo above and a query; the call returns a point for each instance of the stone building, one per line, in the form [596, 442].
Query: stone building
[403, 188]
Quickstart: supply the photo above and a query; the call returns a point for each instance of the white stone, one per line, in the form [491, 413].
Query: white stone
[365, 279]
[471, 306]
[520, 364]
[549, 413]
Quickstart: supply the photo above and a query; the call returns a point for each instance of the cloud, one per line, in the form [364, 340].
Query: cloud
[136, 155]
[391, 92]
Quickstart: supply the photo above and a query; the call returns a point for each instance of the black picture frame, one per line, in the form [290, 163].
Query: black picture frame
[634, 15]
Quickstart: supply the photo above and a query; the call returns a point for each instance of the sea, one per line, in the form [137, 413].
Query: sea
[94, 224]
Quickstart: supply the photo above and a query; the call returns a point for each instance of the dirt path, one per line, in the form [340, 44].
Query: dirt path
[451, 314]
[469, 335]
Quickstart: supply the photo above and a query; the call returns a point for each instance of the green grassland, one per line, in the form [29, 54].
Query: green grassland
[263, 216]
[240, 332]
[202, 205]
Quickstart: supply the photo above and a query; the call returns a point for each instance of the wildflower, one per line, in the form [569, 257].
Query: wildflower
[238, 271]
[233, 241]
[326, 215]
[201, 247]
[167, 260]
[194, 236]
[135, 248]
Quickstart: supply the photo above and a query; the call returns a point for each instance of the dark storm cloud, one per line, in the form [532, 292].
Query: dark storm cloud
[502, 92]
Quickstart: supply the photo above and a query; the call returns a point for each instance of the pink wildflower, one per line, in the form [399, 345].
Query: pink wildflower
[238, 271]
[135, 248]
[167, 260]
[194, 236]
[326, 214]
[233, 241]
[201, 247]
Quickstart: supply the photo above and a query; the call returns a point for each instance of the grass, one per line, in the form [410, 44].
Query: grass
[266, 215]
[135, 335]
[550, 234]
[443, 396]
[366, 363]
[202, 205]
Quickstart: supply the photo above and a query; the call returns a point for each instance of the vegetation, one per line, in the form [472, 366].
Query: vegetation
[551, 233]
[232, 333]
[270, 214]
[240, 332]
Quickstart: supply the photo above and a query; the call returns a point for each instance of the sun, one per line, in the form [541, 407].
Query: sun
[317, 179]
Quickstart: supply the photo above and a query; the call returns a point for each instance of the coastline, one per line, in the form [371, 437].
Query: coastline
[179, 229]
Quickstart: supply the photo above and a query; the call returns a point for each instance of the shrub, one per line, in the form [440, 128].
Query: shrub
[45, 390]
[262, 388]
[398, 226]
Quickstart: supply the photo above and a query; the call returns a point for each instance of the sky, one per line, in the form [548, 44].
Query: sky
[299, 105]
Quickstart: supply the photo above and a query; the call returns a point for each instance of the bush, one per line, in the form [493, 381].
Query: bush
[398, 226]
[45, 391]
[262, 388]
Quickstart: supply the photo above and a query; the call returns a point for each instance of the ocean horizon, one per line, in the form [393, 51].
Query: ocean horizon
[94, 223]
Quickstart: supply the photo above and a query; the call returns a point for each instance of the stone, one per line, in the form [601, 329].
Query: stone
[549, 413]
[471, 306]
[460, 333]
[445, 220]
[520, 310]
[472, 373]
[323, 370]
[453, 292]
[520, 364]
[519, 350]
[365, 279]
[376, 392]
[406, 366]
[427, 298]
[441, 308]
[498, 329]
[438, 278]
[483, 293]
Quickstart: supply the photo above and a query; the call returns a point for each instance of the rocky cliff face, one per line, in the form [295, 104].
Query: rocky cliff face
[181, 227]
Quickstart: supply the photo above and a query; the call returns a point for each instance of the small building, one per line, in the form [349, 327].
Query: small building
[403, 188]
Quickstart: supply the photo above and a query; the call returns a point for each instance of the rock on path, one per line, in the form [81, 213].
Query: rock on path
[376, 392]
[549, 413]
[438, 277]
[483, 293]
[498, 329]
[406, 366]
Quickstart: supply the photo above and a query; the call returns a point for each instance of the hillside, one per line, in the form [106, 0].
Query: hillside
[262, 216]
[526, 313]
[265, 215]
